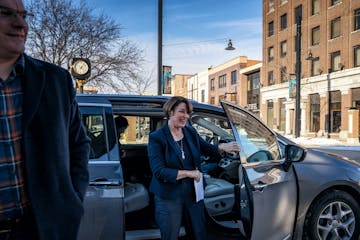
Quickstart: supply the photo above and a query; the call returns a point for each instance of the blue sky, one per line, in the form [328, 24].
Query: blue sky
[202, 28]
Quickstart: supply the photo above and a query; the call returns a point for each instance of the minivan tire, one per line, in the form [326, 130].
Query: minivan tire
[336, 211]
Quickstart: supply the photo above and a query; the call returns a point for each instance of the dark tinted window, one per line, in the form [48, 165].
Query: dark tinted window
[99, 126]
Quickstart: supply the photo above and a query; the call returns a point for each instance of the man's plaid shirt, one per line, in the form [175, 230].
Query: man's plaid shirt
[13, 199]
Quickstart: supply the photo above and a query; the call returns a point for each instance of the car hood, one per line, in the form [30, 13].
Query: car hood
[330, 166]
[318, 156]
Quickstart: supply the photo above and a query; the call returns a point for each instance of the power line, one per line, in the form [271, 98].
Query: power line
[195, 42]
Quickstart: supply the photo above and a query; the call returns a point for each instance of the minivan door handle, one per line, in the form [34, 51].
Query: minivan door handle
[104, 182]
[259, 186]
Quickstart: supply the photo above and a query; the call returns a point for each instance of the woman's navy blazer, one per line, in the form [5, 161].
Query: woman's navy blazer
[165, 159]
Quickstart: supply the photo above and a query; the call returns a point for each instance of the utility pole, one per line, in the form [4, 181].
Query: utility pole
[298, 71]
[159, 72]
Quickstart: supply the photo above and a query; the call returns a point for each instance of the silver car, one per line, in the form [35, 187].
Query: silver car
[273, 189]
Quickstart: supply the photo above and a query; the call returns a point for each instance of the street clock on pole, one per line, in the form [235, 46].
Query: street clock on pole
[81, 68]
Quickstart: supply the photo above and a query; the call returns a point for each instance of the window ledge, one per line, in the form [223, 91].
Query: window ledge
[271, 11]
[283, 3]
[315, 15]
[334, 39]
[335, 5]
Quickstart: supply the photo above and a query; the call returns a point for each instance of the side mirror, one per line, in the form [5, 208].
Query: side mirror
[293, 153]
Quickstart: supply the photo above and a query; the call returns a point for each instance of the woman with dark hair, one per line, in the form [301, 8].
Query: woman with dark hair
[174, 154]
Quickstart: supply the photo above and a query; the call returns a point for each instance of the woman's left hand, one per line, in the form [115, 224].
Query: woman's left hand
[230, 147]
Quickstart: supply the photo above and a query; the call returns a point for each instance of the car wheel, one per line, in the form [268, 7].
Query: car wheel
[335, 215]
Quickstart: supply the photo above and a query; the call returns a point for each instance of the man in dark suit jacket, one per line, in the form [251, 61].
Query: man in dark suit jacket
[44, 149]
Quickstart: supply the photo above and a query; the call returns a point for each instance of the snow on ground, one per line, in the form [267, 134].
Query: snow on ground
[323, 142]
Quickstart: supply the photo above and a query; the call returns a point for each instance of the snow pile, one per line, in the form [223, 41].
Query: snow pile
[305, 141]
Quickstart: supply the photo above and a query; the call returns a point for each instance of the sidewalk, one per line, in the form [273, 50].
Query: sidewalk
[324, 142]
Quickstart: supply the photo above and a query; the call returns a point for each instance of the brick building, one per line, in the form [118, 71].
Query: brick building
[330, 67]
[179, 85]
[226, 83]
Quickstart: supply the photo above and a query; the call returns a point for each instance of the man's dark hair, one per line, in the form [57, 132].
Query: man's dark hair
[121, 121]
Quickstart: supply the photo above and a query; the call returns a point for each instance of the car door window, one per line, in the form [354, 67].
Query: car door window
[96, 132]
[212, 129]
[99, 125]
[137, 131]
[258, 143]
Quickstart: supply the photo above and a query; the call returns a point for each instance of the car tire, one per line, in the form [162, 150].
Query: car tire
[323, 220]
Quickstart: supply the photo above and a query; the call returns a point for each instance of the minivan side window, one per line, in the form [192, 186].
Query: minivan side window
[137, 132]
[99, 125]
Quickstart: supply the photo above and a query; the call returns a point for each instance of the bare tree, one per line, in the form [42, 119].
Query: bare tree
[139, 82]
[62, 30]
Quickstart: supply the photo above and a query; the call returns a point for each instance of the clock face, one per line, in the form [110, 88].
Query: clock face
[81, 67]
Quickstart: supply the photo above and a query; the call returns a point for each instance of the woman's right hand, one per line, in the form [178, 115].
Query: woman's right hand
[195, 174]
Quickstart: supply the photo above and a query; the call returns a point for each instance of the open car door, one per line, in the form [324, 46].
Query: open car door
[273, 187]
[104, 199]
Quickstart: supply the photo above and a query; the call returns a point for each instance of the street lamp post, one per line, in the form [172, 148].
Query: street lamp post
[160, 48]
[298, 74]
[159, 72]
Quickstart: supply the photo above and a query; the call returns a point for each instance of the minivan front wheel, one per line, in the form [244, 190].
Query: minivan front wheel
[335, 215]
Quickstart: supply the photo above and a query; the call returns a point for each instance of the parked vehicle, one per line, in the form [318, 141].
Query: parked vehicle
[273, 189]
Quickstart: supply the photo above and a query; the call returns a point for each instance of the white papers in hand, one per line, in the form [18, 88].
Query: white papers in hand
[199, 189]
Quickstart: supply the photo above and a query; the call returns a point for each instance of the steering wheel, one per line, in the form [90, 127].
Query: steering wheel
[260, 156]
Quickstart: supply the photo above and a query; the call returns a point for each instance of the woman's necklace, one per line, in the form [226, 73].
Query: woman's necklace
[181, 146]
[179, 135]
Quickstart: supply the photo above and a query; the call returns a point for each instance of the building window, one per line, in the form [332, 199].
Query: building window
[233, 77]
[270, 113]
[336, 61]
[271, 78]
[315, 7]
[271, 28]
[315, 67]
[283, 74]
[335, 111]
[283, 48]
[355, 99]
[298, 13]
[282, 117]
[233, 97]
[271, 5]
[192, 91]
[357, 19]
[222, 81]
[314, 112]
[253, 90]
[271, 53]
[283, 21]
[212, 84]
[357, 56]
[202, 95]
[315, 36]
[212, 100]
[335, 27]
[333, 2]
